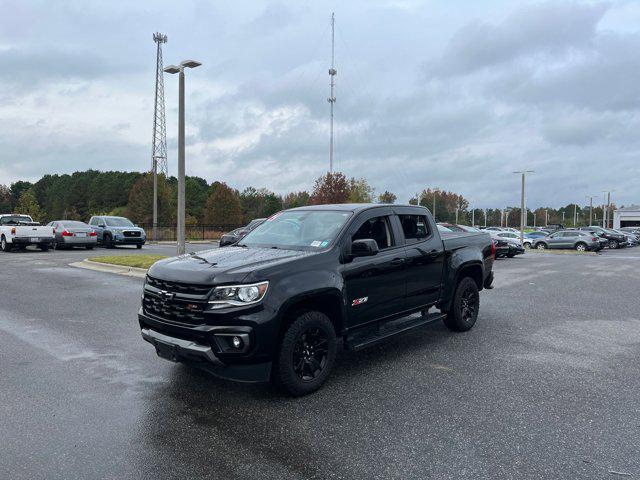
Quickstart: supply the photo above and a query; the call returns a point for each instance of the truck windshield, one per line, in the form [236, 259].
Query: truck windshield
[118, 222]
[298, 230]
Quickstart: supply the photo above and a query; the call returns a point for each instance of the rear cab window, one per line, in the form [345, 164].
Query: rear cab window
[414, 227]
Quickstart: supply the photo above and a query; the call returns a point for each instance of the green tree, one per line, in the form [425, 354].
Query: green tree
[331, 188]
[223, 207]
[28, 205]
[140, 205]
[387, 197]
[360, 191]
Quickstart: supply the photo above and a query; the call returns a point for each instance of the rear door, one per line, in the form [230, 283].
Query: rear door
[425, 258]
[374, 286]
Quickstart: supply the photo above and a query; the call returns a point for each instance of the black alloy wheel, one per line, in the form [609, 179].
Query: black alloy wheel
[465, 306]
[310, 354]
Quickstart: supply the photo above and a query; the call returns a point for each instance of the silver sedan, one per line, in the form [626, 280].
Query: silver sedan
[70, 233]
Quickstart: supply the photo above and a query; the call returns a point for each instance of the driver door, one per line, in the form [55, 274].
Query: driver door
[375, 286]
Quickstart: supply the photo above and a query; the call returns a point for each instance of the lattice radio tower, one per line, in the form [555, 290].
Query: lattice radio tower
[159, 143]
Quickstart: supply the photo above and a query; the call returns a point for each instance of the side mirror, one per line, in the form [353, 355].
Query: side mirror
[365, 247]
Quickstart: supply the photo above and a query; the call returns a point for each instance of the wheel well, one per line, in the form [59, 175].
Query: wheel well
[473, 271]
[326, 303]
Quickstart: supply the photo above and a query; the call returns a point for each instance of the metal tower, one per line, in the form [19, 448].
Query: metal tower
[332, 83]
[159, 143]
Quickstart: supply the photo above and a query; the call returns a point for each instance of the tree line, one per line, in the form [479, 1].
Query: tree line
[82, 194]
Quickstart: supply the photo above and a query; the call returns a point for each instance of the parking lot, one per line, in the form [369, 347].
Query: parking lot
[545, 386]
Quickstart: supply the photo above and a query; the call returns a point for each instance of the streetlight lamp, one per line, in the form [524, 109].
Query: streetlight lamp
[523, 212]
[181, 195]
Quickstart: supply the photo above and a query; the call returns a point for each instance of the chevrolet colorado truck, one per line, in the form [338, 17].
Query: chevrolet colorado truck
[19, 231]
[275, 305]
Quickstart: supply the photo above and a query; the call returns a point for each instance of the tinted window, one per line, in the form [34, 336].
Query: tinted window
[378, 229]
[15, 219]
[414, 227]
[74, 224]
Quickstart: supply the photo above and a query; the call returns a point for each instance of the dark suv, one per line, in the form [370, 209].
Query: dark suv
[616, 240]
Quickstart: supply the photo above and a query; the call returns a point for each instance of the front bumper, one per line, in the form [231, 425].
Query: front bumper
[205, 346]
[129, 240]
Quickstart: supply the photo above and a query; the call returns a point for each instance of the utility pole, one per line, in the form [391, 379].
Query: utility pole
[159, 142]
[181, 161]
[575, 215]
[605, 209]
[473, 217]
[546, 217]
[456, 215]
[485, 217]
[332, 83]
[523, 211]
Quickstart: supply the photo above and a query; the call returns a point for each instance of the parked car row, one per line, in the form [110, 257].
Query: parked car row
[19, 231]
[591, 238]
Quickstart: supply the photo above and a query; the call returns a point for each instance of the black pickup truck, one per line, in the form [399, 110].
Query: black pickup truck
[274, 305]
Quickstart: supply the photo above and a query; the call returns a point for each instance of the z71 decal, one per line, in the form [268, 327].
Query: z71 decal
[359, 301]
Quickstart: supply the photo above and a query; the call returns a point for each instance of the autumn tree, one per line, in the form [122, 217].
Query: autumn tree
[387, 197]
[360, 191]
[28, 205]
[140, 206]
[296, 199]
[223, 207]
[5, 199]
[331, 188]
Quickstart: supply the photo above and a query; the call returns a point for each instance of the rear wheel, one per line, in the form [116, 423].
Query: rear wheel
[306, 355]
[581, 247]
[465, 306]
[4, 245]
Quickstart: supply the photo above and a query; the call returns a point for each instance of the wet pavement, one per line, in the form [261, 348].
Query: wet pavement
[545, 386]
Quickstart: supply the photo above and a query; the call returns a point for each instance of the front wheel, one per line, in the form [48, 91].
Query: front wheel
[306, 355]
[527, 245]
[613, 244]
[541, 246]
[108, 241]
[465, 306]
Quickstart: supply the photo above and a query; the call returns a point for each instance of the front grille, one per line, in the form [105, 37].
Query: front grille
[131, 234]
[177, 287]
[173, 310]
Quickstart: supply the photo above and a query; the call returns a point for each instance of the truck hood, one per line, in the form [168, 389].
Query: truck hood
[221, 265]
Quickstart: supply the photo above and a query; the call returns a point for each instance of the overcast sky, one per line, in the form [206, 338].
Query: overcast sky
[451, 94]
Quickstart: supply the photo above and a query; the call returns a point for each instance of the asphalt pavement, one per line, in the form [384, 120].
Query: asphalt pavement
[545, 386]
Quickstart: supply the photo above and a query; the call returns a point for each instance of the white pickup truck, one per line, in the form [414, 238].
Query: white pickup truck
[20, 230]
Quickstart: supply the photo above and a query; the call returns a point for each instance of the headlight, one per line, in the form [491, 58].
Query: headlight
[238, 295]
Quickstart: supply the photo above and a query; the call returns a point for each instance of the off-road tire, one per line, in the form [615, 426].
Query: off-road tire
[465, 306]
[284, 374]
[4, 245]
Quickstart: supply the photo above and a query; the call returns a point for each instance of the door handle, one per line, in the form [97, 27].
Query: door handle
[434, 253]
[397, 261]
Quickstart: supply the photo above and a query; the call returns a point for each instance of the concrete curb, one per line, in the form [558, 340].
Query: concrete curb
[108, 268]
[561, 252]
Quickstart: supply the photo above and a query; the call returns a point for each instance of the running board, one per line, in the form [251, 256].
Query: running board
[374, 335]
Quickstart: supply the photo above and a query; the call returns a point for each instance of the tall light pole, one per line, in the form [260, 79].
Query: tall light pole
[575, 215]
[434, 203]
[181, 180]
[485, 217]
[605, 216]
[473, 217]
[523, 212]
[591, 197]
